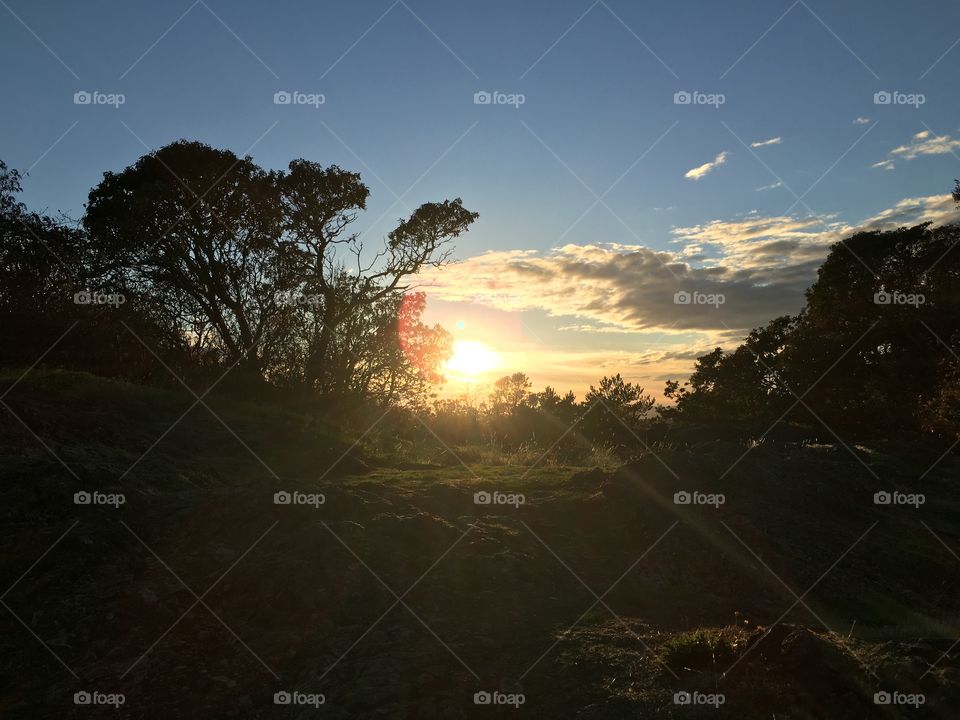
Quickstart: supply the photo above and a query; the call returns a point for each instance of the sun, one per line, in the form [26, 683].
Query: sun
[470, 359]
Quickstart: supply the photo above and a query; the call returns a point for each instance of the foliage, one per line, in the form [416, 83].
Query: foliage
[874, 350]
[223, 266]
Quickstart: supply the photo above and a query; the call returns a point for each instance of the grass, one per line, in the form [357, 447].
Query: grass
[701, 650]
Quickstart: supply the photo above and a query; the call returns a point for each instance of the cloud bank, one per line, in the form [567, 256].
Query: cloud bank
[761, 266]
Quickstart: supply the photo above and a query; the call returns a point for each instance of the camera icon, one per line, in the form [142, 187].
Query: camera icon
[482, 98]
[82, 498]
[82, 698]
[882, 98]
[682, 298]
[682, 97]
[482, 698]
[282, 498]
[682, 698]
[682, 498]
[84, 297]
[82, 97]
[282, 698]
[482, 498]
[282, 97]
[882, 298]
[882, 698]
[882, 498]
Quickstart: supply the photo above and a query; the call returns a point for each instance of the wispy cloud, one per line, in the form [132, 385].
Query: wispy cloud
[922, 143]
[699, 172]
[861, 121]
[774, 186]
[926, 143]
[764, 143]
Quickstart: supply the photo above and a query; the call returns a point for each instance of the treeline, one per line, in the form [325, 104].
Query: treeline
[875, 352]
[199, 261]
[615, 415]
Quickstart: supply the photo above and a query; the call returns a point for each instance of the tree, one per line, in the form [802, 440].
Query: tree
[873, 352]
[46, 281]
[510, 393]
[320, 204]
[197, 231]
[261, 267]
[620, 408]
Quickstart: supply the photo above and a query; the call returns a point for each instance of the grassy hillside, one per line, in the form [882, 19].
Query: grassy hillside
[401, 597]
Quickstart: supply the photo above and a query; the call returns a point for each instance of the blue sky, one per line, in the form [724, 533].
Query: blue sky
[598, 81]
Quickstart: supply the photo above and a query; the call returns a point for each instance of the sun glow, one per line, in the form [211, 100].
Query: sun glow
[471, 359]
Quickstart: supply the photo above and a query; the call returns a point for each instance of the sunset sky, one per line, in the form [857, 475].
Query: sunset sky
[600, 195]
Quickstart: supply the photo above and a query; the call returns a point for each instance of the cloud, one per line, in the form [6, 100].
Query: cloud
[922, 143]
[774, 186]
[699, 172]
[764, 143]
[760, 265]
[861, 121]
[939, 209]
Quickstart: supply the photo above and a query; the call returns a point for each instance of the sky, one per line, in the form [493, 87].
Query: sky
[618, 153]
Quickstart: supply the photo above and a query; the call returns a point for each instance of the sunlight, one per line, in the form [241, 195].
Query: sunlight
[471, 359]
